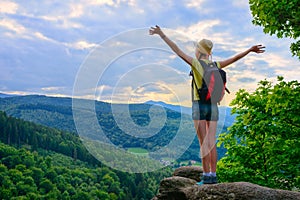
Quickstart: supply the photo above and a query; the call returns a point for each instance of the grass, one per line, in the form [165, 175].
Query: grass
[137, 150]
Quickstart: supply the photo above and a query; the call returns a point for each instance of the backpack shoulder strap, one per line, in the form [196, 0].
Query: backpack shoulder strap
[203, 64]
[193, 79]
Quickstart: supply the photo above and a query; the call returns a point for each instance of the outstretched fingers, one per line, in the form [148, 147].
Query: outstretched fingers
[154, 30]
[258, 48]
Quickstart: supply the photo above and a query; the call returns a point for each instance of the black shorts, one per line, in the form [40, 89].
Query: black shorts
[208, 112]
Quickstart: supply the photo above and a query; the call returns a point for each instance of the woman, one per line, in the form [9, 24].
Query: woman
[205, 116]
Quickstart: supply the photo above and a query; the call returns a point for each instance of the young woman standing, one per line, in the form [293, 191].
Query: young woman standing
[205, 116]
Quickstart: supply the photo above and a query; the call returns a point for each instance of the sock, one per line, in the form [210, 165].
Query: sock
[213, 174]
[205, 173]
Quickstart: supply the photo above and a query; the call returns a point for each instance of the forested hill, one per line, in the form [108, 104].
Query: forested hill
[18, 133]
[57, 113]
[2, 95]
[49, 111]
[37, 162]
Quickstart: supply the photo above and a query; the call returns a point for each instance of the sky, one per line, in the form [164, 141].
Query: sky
[101, 49]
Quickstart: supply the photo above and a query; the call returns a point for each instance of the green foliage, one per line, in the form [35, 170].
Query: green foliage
[19, 132]
[44, 174]
[280, 17]
[263, 144]
[63, 180]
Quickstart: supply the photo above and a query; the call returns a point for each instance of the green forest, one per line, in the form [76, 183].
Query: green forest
[37, 162]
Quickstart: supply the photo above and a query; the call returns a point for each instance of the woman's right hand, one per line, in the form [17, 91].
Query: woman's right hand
[156, 30]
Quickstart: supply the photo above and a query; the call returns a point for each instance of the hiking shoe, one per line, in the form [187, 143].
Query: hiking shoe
[205, 180]
[214, 180]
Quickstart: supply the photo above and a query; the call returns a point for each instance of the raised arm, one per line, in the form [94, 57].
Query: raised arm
[156, 30]
[255, 48]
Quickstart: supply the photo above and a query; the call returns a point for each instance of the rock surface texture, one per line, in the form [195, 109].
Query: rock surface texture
[182, 186]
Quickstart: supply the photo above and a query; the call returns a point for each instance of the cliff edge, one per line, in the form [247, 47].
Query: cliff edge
[182, 186]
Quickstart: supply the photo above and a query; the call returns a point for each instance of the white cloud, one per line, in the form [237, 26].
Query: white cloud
[203, 28]
[81, 45]
[61, 21]
[50, 89]
[142, 94]
[12, 25]
[21, 31]
[8, 7]
[111, 3]
[77, 10]
[42, 37]
[102, 2]
[194, 4]
[240, 3]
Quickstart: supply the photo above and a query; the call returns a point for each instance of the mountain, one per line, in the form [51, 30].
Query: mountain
[225, 112]
[49, 111]
[2, 95]
[56, 112]
[177, 108]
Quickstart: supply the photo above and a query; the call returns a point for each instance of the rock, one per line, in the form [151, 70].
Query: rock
[191, 172]
[170, 188]
[184, 188]
[239, 190]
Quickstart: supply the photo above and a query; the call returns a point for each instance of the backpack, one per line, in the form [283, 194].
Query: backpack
[213, 83]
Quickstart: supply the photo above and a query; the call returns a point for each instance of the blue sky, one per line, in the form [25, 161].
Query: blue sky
[45, 45]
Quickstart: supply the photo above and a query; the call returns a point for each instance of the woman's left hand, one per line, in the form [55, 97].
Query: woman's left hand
[258, 48]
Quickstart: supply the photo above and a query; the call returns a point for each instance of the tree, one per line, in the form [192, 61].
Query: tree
[263, 144]
[280, 17]
[5, 193]
[37, 174]
[100, 194]
[46, 186]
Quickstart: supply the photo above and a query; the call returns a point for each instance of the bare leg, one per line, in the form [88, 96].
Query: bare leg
[212, 128]
[202, 130]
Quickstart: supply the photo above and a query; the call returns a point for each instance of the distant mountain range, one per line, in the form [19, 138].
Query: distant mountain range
[177, 108]
[2, 95]
[57, 112]
[225, 112]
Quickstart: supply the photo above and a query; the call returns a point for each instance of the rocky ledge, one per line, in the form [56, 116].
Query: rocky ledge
[182, 186]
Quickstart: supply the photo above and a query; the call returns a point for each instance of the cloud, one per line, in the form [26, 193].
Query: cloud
[241, 4]
[203, 28]
[8, 7]
[42, 37]
[13, 26]
[104, 2]
[51, 89]
[77, 10]
[81, 45]
[16, 30]
[170, 93]
[193, 4]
